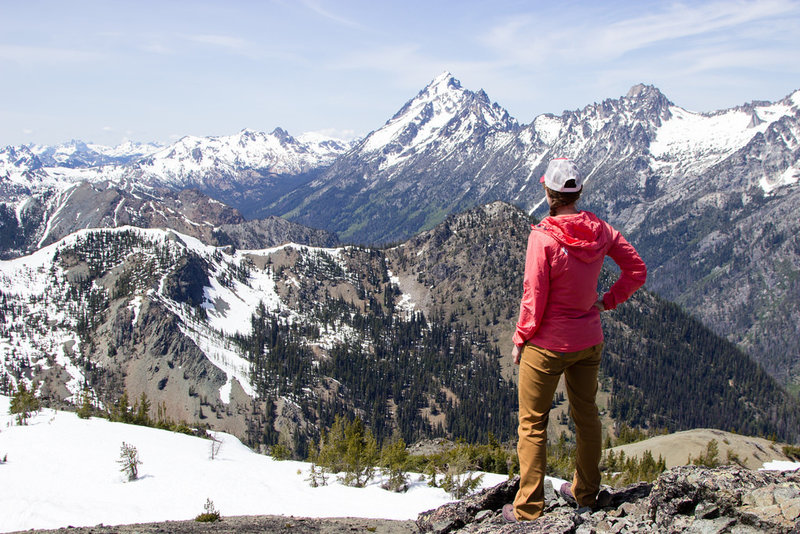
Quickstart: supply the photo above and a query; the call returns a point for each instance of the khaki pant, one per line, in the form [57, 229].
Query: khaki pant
[539, 372]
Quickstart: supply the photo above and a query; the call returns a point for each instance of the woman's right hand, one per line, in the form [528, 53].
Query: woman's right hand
[516, 353]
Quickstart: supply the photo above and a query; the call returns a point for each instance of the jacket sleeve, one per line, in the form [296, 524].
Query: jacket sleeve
[633, 275]
[535, 288]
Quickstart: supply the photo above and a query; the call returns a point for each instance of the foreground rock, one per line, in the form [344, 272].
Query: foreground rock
[683, 499]
[251, 525]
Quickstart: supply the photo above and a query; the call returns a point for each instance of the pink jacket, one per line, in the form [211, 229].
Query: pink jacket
[562, 264]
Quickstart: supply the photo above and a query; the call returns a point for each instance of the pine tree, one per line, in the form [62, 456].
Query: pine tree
[85, 410]
[129, 460]
[23, 403]
[394, 462]
[142, 411]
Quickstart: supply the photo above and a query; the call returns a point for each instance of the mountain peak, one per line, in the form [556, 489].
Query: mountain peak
[282, 134]
[639, 89]
[445, 79]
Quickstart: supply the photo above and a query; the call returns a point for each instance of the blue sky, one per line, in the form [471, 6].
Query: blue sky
[109, 71]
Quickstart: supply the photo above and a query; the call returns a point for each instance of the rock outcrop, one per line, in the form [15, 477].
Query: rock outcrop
[683, 499]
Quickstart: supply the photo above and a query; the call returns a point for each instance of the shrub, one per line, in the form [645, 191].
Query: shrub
[620, 470]
[129, 460]
[350, 449]
[792, 451]
[280, 452]
[711, 456]
[210, 514]
[459, 478]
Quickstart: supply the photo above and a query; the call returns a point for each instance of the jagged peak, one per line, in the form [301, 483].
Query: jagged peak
[639, 89]
[445, 79]
[282, 134]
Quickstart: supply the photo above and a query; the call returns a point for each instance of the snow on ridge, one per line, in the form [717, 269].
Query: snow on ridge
[688, 133]
[787, 177]
[276, 151]
[709, 138]
[548, 128]
[794, 98]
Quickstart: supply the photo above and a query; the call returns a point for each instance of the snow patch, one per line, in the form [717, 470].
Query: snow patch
[787, 177]
[780, 465]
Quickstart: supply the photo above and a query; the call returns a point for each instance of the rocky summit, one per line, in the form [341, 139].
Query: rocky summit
[683, 499]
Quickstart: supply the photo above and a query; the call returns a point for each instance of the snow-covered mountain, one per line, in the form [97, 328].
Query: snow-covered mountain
[436, 155]
[212, 161]
[48, 192]
[692, 189]
[76, 153]
[442, 111]
[223, 164]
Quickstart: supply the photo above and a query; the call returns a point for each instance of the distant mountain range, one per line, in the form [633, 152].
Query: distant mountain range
[711, 200]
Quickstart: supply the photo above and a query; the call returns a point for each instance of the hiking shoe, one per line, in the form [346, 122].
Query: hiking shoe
[508, 513]
[603, 499]
[565, 491]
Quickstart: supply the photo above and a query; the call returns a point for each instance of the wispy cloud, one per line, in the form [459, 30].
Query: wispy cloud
[236, 44]
[682, 21]
[531, 39]
[321, 11]
[38, 55]
[157, 48]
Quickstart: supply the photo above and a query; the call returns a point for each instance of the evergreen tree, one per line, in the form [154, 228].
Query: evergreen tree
[85, 410]
[129, 461]
[23, 403]
[394, 463]
[142, 411]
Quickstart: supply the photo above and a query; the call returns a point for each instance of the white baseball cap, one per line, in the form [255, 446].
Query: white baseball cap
[559, 172]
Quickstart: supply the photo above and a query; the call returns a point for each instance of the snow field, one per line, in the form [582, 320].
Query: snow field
[62, 470]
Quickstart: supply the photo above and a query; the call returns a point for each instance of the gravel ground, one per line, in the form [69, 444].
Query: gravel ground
[251, 524]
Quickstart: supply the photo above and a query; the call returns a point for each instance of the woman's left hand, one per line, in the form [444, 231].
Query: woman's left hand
[599, 305]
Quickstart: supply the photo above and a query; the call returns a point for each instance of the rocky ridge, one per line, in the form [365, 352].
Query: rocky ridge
[683, 499]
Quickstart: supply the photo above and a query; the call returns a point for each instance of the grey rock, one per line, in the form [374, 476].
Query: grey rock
[711, 526]
[483, 514]
[683, 499]
[706, 511]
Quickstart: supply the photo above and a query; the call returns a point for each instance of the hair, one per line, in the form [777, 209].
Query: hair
[559, 199]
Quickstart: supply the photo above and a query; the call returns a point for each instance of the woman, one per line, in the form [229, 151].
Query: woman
[559, 331]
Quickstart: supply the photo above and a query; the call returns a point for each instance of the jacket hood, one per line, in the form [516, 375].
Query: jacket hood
[583, 234]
